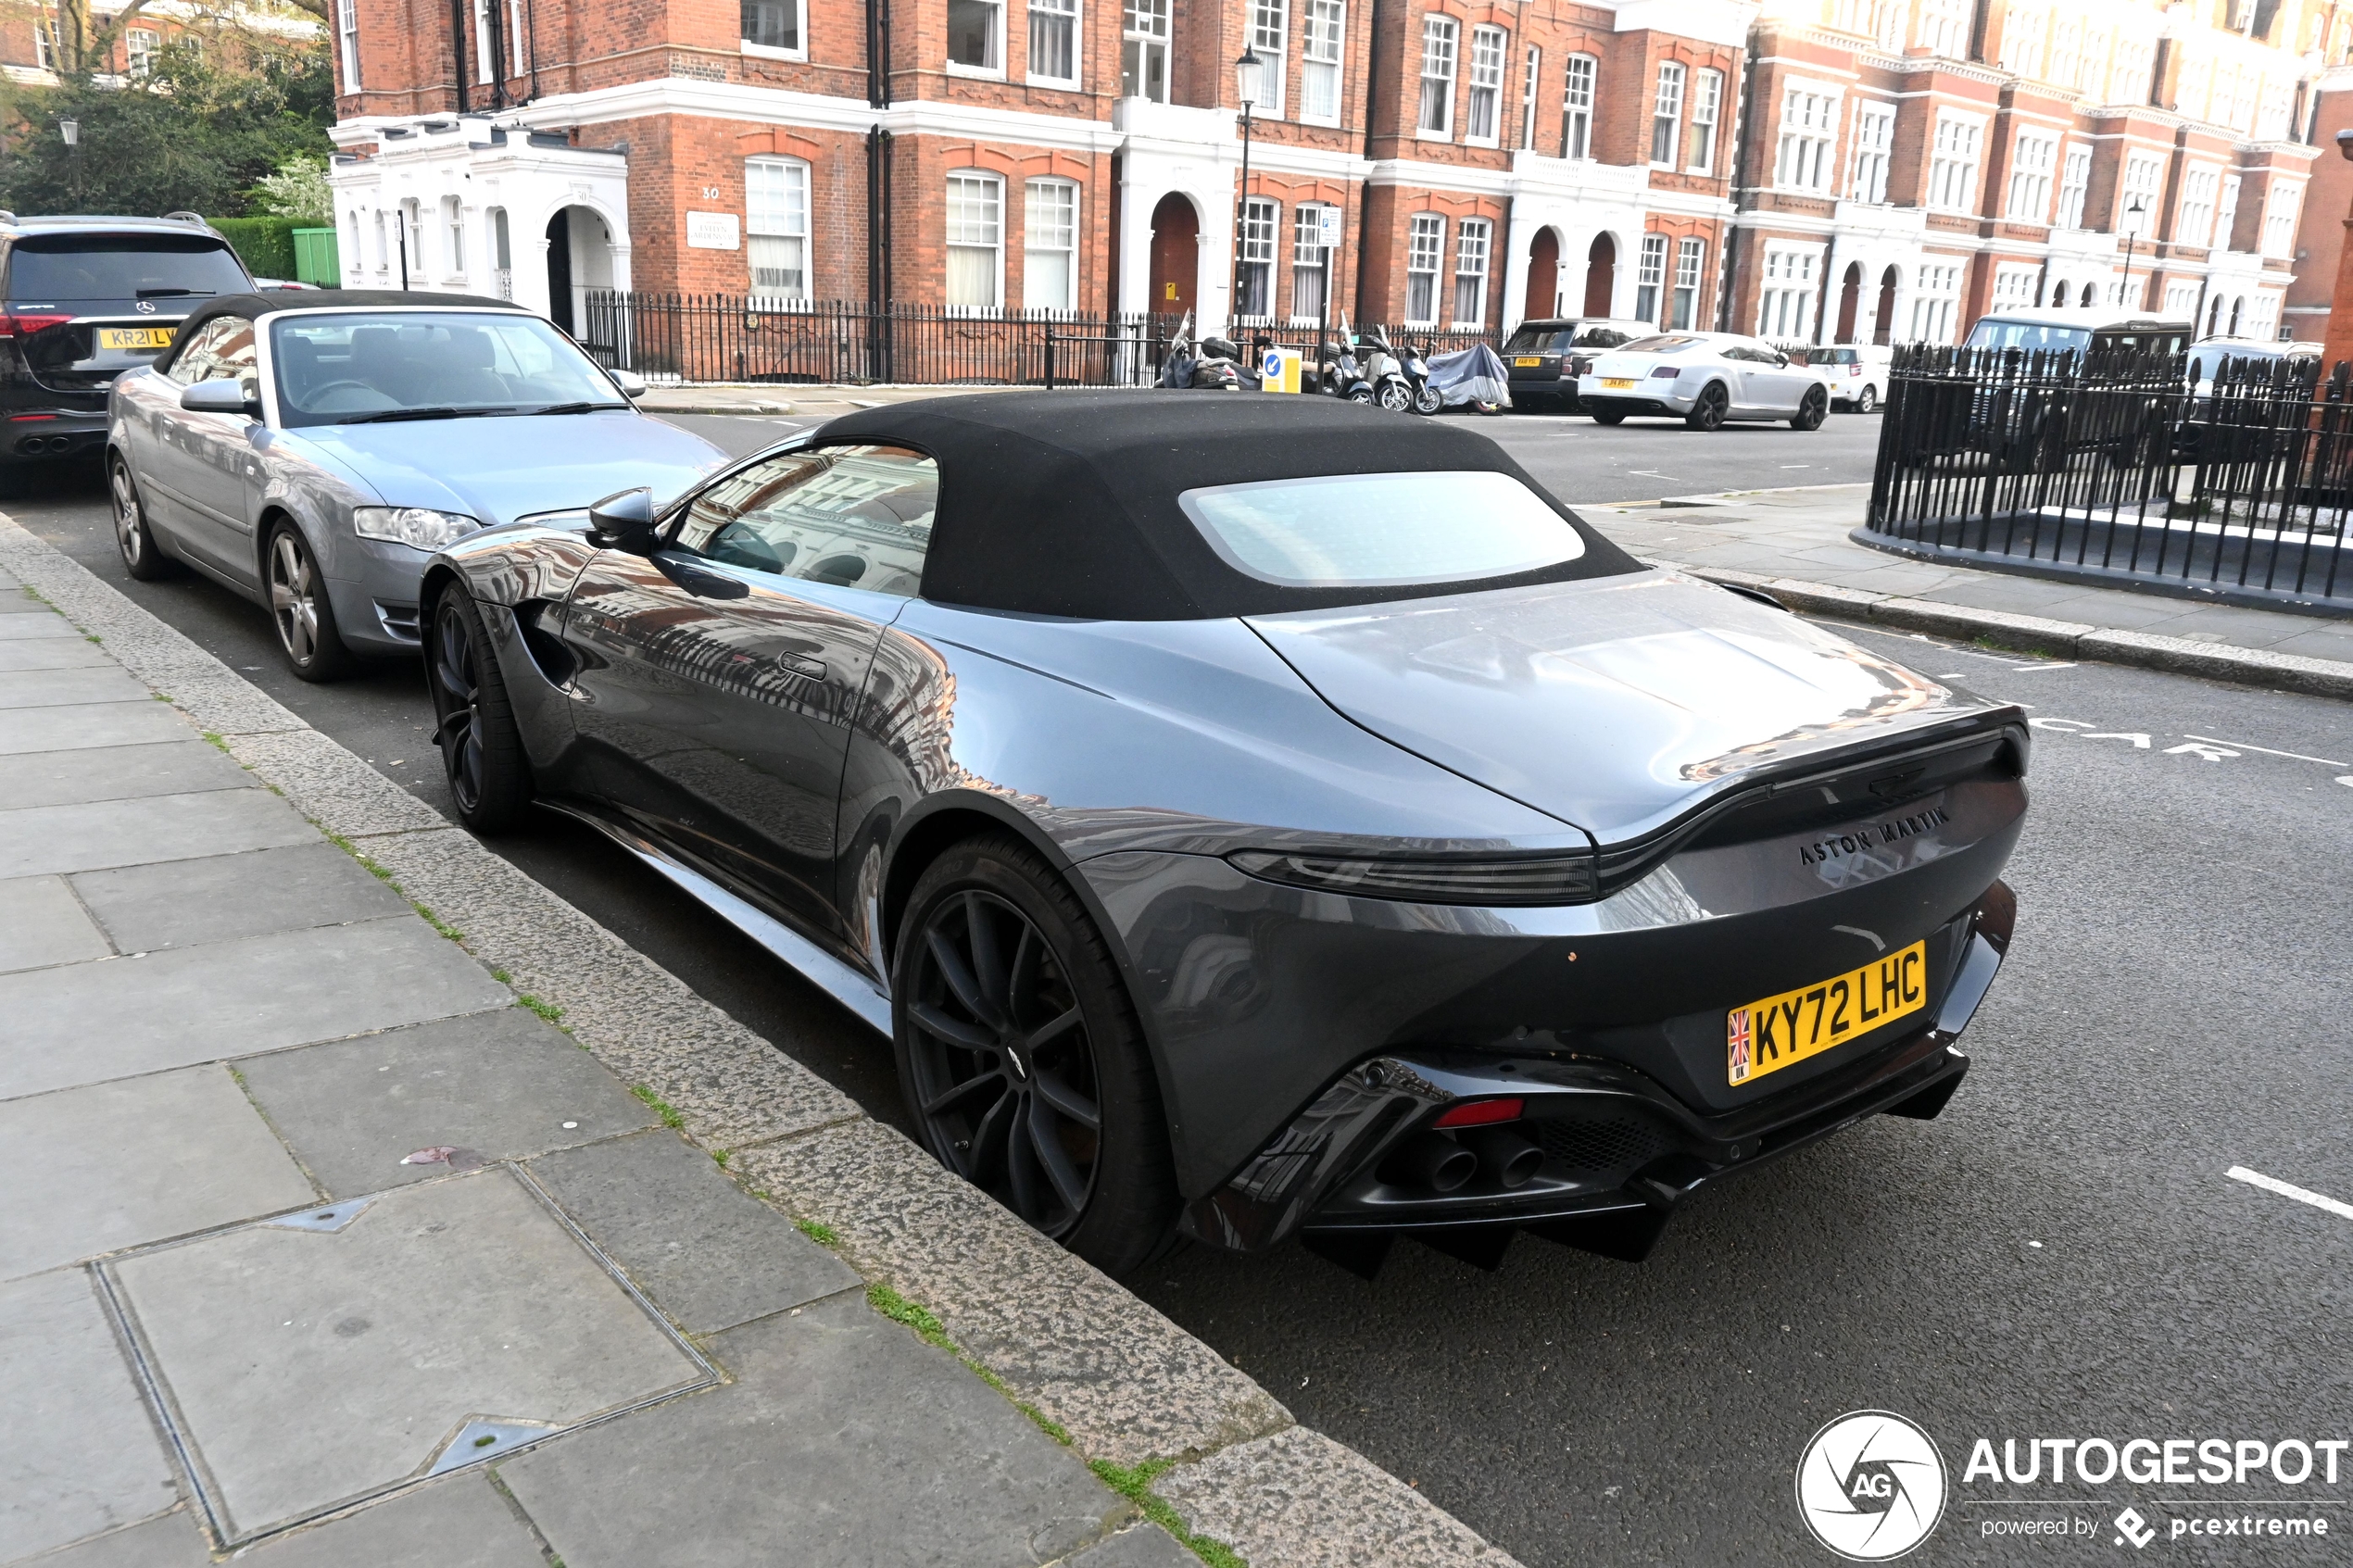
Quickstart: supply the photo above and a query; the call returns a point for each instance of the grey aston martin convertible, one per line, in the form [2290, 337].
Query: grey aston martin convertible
[1260, 816]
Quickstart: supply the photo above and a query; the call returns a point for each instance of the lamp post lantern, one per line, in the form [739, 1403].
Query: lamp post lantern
[1248, 74]
[69, 132]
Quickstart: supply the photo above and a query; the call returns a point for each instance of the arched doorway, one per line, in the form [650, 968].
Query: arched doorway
[579, 258]
[1175, 255]
[1849, 302]
[1884, 321]
[2213, 315]
[1601, 275]
[2238, 308]
[1543, 275]
[2058, 296]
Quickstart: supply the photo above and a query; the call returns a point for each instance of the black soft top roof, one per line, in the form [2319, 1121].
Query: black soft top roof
[272, 302]
[1064, 503]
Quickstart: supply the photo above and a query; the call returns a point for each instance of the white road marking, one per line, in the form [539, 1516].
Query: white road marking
[2273, 1184]
[2292, 756]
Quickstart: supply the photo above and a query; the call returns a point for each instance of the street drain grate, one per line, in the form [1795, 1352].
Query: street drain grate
[312, 1362]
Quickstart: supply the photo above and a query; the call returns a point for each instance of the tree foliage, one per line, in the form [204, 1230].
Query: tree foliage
[299, 190]
[199, 133]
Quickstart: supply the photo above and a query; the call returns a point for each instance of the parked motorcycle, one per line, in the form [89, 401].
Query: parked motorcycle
[1427, 399]
[1339, 375]
[1385, 373]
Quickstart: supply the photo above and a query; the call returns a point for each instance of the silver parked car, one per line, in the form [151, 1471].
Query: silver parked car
[1704, 378]
[312, 449]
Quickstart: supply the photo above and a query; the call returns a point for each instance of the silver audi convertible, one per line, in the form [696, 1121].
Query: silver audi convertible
[1259, 817]
[310, 450]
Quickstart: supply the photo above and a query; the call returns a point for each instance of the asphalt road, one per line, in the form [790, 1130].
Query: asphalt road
[2060, 1254]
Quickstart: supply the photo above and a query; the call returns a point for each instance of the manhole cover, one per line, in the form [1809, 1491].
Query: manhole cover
[319, 1359]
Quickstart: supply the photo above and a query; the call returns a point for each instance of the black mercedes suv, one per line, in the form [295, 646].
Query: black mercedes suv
[83, 300]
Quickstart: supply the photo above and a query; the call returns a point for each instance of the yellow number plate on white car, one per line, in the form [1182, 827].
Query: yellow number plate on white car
[1769, 1035]
[1618, 383]
[134, 337]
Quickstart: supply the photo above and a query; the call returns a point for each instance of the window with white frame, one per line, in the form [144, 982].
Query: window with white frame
[1310, 263]
[44, 44]
[2128, 293]
[1952, 165]
[518, 39]
[2066, 50]
[2226, 213]
[346, 42]
[1320, 67]
[2129, 76]
[1269, 33]
[1437, 117]
[1690, 261]
[975, 241]
[772, 26]
[383, 244]
[484, 60]
[1576, 107]
[1887, 24]
[1936, 301]
[1529, 77]
[2180, 299]
[2024, 30]
[1874, 143]
[1483, 109]
[1650, 278]
[1707, 111]
[1666, 114]
[1143, 50]
[2279, 219]
[1850, 16]
[2014, 287]
[975, 34]
[2195, 224]
[1425, 248]
[2091, 77]
[1050, 245]
[777, 227]
[2263, 314]
[453, 227]
[2137, 199]
[1785, 304]
[502, 254]
[2271, 114]
[1945, 28]
[412, 229]
[139, 52]
[2243, 89]
[1054, 42]
[1810, 127]
[1260, 219]
[1471, 243]
[2075, 183]
[2031, 168]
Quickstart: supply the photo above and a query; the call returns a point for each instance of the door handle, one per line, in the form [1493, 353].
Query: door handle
[795, 664]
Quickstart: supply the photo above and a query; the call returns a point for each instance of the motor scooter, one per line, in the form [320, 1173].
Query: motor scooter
[1427, 399]
[1339, 375]
[1384, 373]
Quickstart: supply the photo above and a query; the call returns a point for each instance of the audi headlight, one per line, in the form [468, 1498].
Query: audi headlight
[419, 526]
[1550, 878]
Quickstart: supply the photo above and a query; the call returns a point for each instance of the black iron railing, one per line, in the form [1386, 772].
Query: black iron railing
[2116, 468]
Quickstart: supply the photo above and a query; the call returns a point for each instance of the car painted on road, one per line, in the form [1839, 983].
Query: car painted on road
[1258, 817]
[1708, 380]
[310, 450]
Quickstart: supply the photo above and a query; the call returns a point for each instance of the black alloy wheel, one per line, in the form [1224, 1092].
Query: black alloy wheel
[1812, 410]
[300, 610]
[1866, 401]
[482, 749]
[1021, 1057]
[141, 557]
[1709, 411]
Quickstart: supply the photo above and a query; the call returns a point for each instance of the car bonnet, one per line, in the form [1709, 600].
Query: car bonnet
[1616, 704]
[500, 467]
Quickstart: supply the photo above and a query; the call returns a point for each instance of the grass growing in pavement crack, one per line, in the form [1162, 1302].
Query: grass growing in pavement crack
[548, 1011]
[212, 737]
[817, 1231]
[452, 933]
[721, 1156]
[670, 1117]
[1136, 1484]
[344, 844]
[899, 1310]
[91, 637]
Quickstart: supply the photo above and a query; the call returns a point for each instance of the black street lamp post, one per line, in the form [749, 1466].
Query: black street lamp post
[2134, 212]
[69, 131]
[1248, 72]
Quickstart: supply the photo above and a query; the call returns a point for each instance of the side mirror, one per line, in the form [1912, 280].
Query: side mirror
[220, 397]
[632, 385]
[1781, 360]
[624, 520]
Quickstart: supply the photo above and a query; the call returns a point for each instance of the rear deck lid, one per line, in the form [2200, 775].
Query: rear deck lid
[1616, 704]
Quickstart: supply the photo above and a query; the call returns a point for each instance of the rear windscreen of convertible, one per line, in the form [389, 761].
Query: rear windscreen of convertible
[1382, 530]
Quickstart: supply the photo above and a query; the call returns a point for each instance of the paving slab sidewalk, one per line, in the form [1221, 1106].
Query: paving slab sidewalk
[368, 1206]
[1794, 545]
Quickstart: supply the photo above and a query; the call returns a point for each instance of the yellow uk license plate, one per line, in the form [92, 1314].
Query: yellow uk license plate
[134, 337]
[1618, 383]
[1769, 1035]
[1526, 359]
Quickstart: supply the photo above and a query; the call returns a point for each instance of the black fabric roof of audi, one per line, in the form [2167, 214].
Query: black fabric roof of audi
[1065, 503]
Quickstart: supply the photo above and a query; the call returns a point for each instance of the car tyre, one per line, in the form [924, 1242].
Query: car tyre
[1866, 401]
[1812, 410]
[1024, 1065]
[1709, 411]
[299, 609]
[1606, 416]
[142, 556]
[481, 750]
